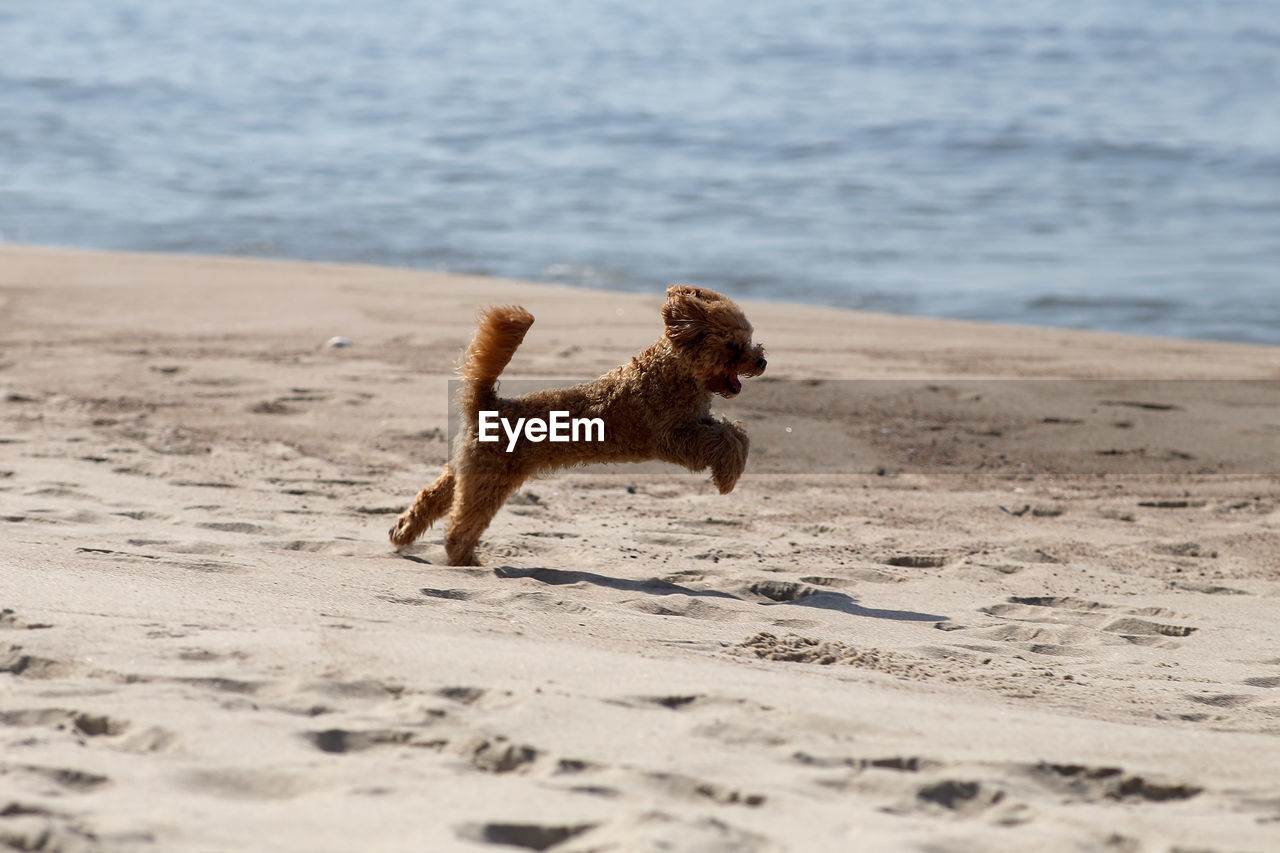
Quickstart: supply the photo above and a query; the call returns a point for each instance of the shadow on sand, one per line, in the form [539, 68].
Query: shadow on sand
[822, 599]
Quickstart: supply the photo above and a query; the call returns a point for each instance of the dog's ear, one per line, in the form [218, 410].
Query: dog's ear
[685, 313]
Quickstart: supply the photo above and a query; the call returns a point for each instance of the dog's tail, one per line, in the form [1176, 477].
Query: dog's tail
[501, 329]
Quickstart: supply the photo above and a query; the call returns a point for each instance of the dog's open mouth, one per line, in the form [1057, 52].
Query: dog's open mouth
[733, 383]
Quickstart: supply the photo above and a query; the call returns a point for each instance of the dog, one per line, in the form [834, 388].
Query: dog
[658, 406]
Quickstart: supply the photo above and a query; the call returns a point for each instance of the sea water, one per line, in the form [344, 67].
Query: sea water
[1084, 163]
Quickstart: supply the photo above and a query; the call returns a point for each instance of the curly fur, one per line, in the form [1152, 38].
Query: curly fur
[657, 406]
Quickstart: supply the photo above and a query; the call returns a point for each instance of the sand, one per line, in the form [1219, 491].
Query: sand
[1032, 616]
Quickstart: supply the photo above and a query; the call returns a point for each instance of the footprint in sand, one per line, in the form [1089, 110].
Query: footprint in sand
[1222, 700]
[53, 781]
[1065, 625]
[670, 540]
[142, 515]
[1186, 549]
[9, 620]
[1141, 630]
[343, 741]
[194, 655]
[691, 702]
[82, 725]
[687, 606]
[899, 763]
[688, 789]
[1207, 588]
[1099, 784]
[278, 406]
[497, 754]
[312, 546]
[962, 798]
[1061, 602]
[529, 836]
[646, 830]
[66, 516]
[780, 591]
[709, 526]
[16, 661]
[91, 725]
[796, 649]
[376, 510]
[60, 490]
[1063, 641]
[208, 566]
[246, 784]
[231, 526]
[117, 554]
[363, 689]
[662, 831]
[917, 561]
[219, 684]
[478, 697]
[545, 602]
[171, 546]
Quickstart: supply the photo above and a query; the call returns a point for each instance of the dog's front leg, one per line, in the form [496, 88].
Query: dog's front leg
[711, 443]
[731, 456]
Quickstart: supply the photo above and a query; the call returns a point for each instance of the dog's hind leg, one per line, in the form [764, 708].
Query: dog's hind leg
[479, 498]
[430, 504]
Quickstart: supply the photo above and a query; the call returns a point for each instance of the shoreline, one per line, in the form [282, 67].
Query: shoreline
[208, 643]
[25, 253]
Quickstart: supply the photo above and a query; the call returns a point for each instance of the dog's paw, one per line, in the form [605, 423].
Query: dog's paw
[725, 480]
[470, 559]
[732, 458]
[402, 533]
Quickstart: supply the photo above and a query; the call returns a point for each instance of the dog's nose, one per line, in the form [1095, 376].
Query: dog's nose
[760, 365]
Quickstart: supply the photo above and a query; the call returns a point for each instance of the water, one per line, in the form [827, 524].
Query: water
[1080, 163]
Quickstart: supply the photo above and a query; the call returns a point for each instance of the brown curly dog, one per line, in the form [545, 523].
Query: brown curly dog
[656, 407]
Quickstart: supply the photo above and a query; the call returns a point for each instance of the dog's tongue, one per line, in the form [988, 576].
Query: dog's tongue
[735, 384]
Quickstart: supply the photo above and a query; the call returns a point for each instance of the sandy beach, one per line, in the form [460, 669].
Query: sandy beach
[1038, 615]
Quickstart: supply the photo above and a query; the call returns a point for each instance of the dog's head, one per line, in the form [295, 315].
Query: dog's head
[713, 334]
